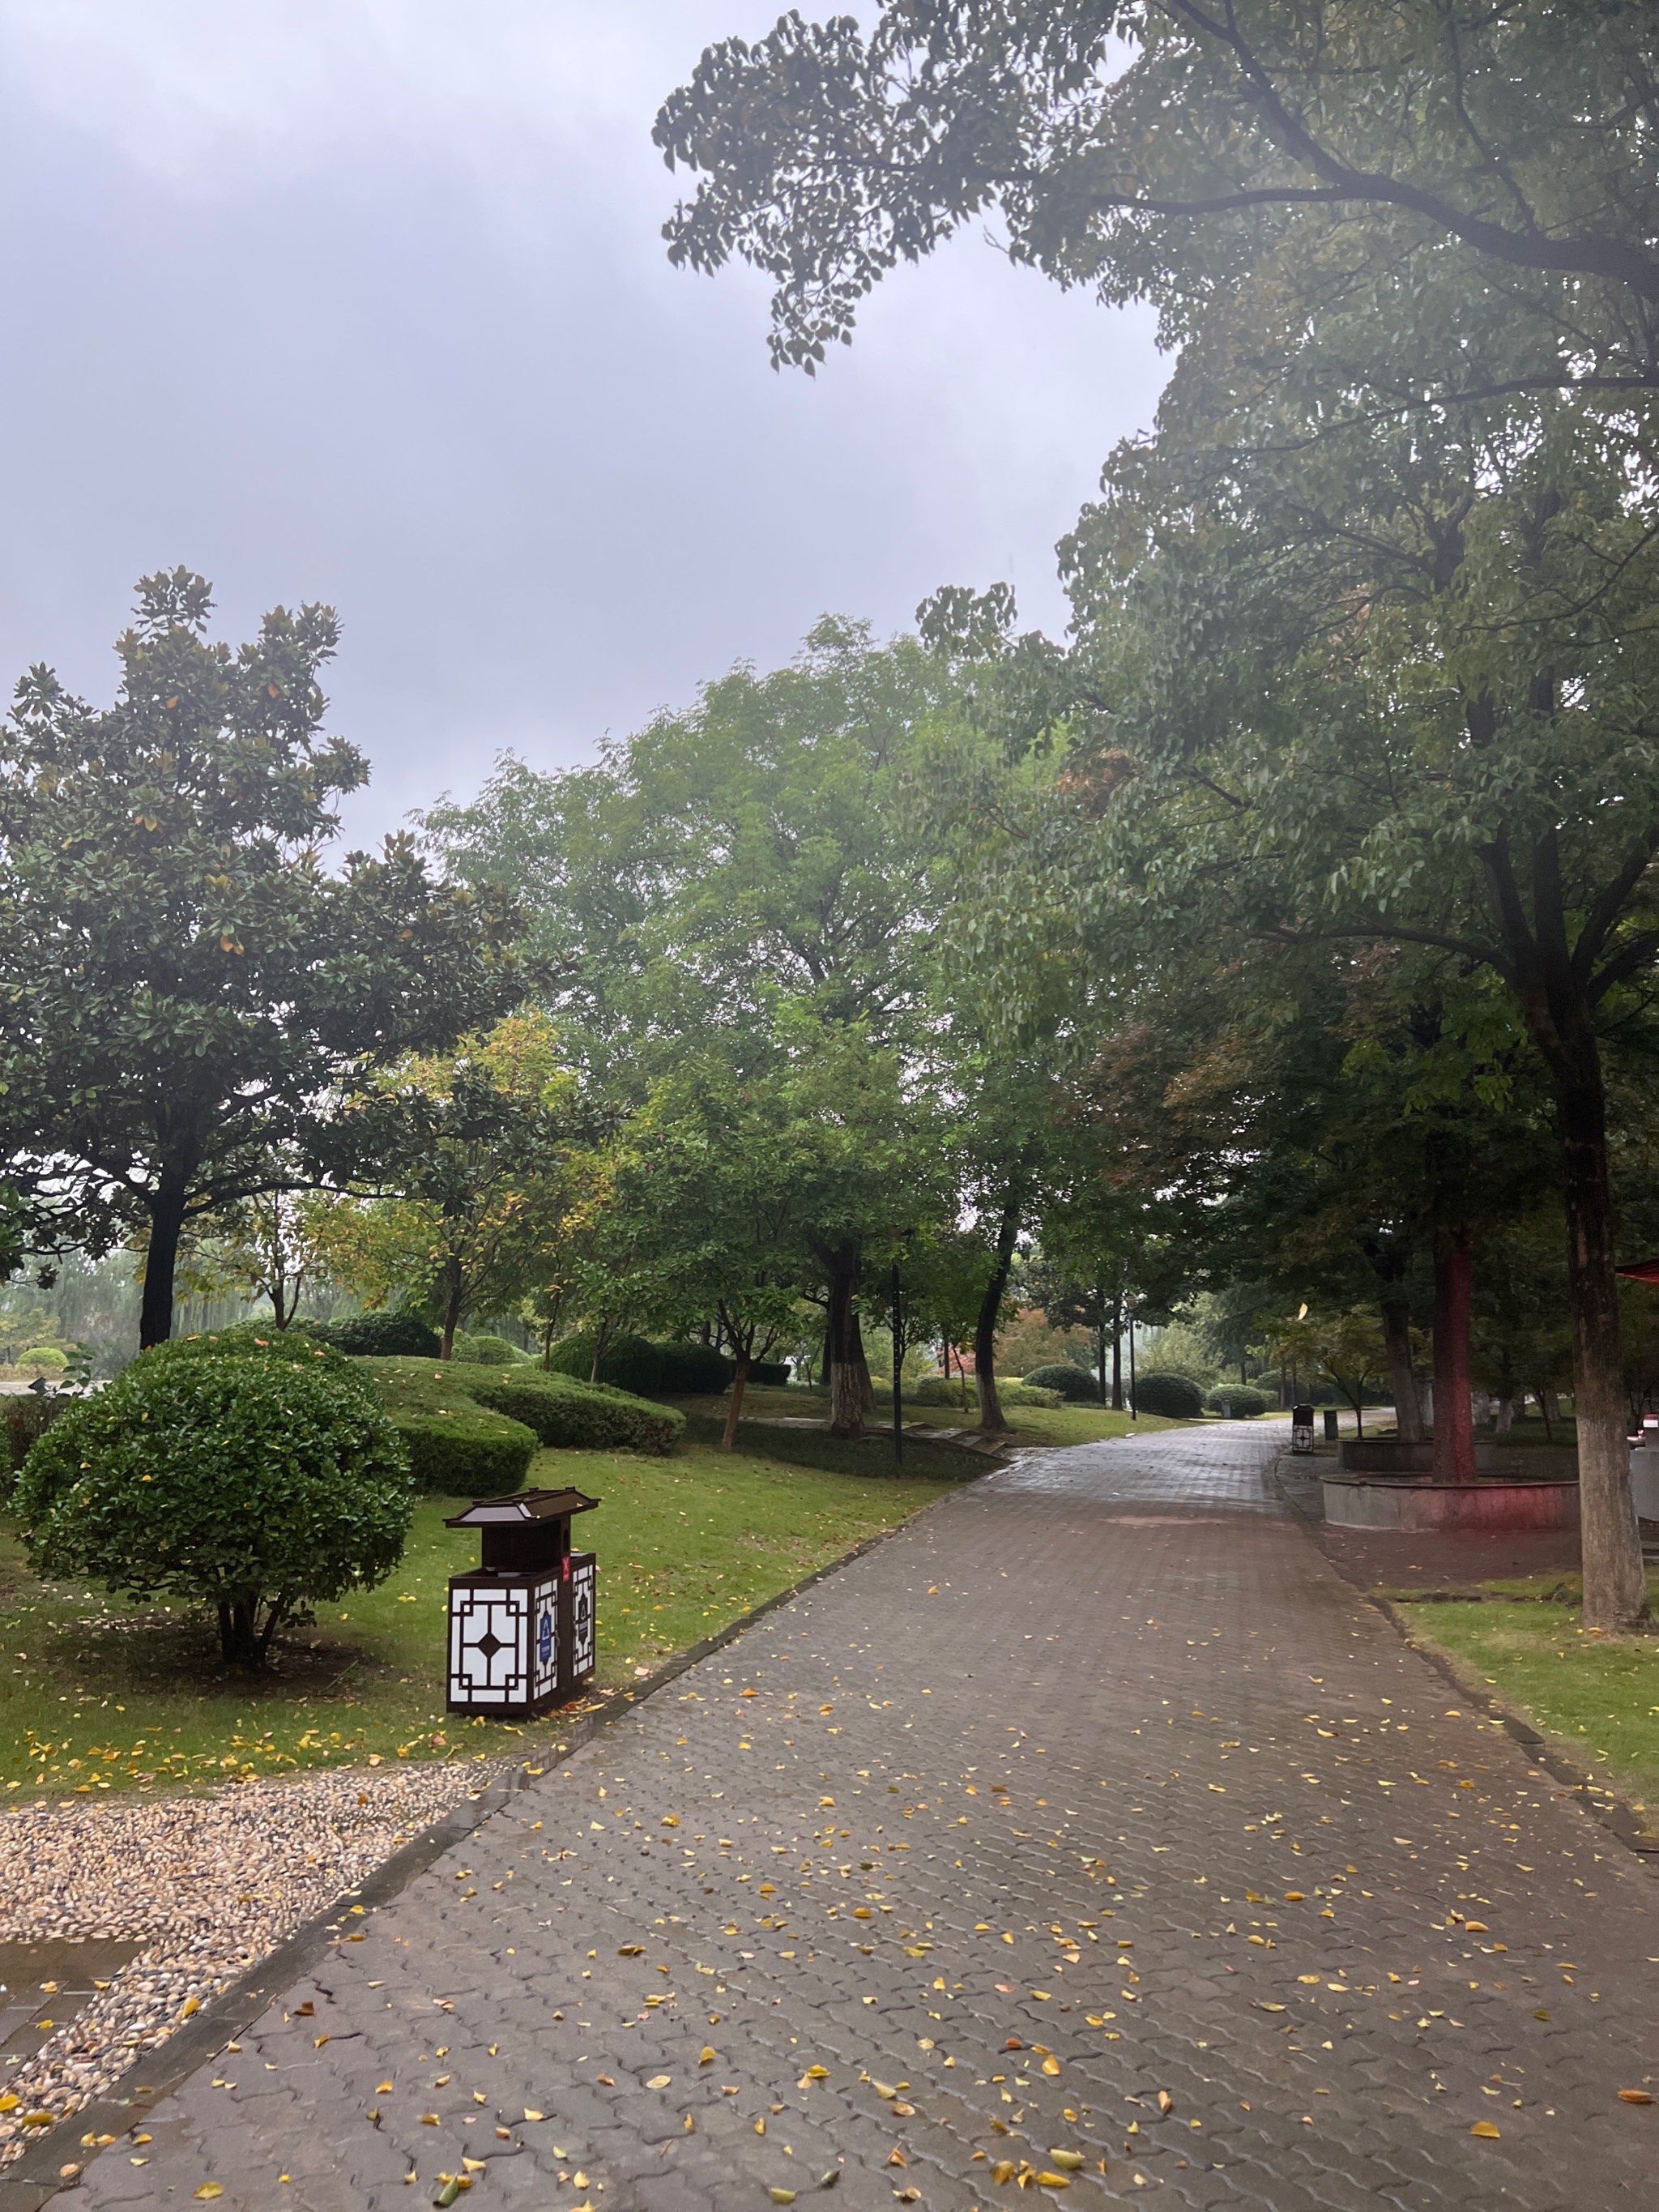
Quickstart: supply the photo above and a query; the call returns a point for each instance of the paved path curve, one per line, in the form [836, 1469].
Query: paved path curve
[1093, 1788]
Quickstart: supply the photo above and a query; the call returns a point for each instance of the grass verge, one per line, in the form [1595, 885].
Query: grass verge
[93, 1697]
[1597, 1697]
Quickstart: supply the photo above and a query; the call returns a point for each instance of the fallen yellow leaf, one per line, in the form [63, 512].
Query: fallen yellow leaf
[1485, 2128]
[190, 2007]
[782, 2196]
[209, 2190]
[384, 2089]
[1051, 2066]
[630, 1950]
[1069, 2160]
[658, 2082]
[1165, 2101]
[529, 2115]
[1634, 2097]
[706, 2056]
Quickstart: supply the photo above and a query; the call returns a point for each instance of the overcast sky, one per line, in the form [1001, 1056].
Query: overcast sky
[365, 300]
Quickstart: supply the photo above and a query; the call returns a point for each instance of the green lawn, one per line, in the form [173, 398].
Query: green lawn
[93, 1696]
[1027, 1424]
[1599, 1696]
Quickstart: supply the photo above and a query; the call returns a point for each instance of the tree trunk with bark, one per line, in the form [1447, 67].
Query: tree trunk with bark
[1560, 982]
[843, 1349]
[734, 1410]
[1454, 1424]
[1402, 1378]
[166, 1223]
[454, 1305]
[1117, 1354]
[991, 1418]
[1610, 1541]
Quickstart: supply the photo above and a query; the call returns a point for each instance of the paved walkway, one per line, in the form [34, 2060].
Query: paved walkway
[1092, 1826]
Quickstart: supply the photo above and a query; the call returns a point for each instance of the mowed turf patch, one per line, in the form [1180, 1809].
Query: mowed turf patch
[1028, 1426]
[97, 1696]
[1598, 1696]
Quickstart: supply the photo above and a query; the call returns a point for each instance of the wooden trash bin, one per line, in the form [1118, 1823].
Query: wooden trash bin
[522, 1626]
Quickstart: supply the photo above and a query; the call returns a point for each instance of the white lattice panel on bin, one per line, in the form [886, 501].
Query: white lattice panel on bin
[503, 1647]
[544, 1654]
[583, 1577]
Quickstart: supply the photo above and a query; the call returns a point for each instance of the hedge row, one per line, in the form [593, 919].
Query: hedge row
[677, 1370]
[580, 1416]
[1065, 1377]
[1240, 1398]
[477, 1429]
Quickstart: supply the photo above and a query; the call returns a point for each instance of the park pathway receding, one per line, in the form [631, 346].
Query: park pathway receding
[1090, 1827]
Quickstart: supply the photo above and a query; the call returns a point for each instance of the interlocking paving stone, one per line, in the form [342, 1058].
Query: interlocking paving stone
[1098, 1759]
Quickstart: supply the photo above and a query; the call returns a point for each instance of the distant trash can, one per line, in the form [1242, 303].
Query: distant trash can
[1330, 1425]
[522, 1627]
[1302, 1428]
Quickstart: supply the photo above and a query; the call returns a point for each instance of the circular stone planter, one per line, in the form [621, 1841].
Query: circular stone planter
[1410, 1504]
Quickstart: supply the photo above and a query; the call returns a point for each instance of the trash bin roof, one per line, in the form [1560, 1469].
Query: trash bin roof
[522, 1505]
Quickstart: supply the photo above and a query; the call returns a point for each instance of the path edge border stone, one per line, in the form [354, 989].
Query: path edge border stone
[31, 2180]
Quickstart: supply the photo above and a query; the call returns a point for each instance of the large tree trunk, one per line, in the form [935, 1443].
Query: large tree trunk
[858, 1360]
[990, 1306]
[167, 1222]
[1555, 981]
[1615, 1580]
[1454, 1424]
[1397, 1335]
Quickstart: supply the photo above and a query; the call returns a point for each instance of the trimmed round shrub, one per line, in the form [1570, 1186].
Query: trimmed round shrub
[630, 1362]
[257, 1487]
[49, 1357]
[571, 1416]
[934, 1390]
[1060, 1376]
[1241, 1400]
[687, 1370]
[770, 1374]
[1027, 1394]
[1177, 1397]
[252, 1340]
[378, 1335]
[457, 1448]
[485, 1351]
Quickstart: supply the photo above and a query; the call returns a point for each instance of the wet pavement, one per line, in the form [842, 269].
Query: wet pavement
[1089, 1834]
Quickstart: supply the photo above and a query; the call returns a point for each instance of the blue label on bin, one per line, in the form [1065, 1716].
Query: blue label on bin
[544, 1636]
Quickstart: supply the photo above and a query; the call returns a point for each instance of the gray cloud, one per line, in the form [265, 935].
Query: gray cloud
[365, 300]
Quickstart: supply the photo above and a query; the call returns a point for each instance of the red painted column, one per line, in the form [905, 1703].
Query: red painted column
[1454, 1421]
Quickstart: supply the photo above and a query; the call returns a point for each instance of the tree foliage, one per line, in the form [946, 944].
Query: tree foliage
[183, 987]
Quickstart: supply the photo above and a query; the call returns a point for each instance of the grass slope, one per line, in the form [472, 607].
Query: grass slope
[94, 1698]
[1598, 1697]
